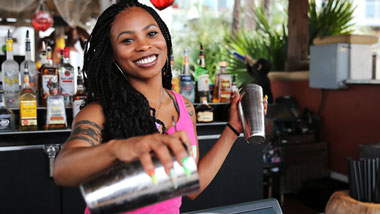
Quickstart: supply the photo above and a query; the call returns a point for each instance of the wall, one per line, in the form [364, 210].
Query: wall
[349, 117]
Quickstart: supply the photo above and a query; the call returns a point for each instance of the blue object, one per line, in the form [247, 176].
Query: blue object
[239, 56]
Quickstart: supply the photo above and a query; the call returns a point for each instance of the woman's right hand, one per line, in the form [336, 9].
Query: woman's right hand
[143, 147]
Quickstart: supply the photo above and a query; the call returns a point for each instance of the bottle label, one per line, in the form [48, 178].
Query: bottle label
[186, 87]
[4, 123]
[66, 82]
[203, 81]
[28, 109]
[10, 80]
[185, 78]
[46, 83]
[225, 86]
[9, 45]
[205, 116]
[56, 113]
[76, 107]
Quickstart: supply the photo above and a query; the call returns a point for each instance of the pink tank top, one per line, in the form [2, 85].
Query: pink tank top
[184, 123]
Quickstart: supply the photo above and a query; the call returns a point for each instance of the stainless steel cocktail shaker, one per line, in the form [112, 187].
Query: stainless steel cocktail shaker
[127, 186]
[251, 111]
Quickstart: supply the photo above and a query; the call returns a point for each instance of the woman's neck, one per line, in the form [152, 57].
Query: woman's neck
[152, 90]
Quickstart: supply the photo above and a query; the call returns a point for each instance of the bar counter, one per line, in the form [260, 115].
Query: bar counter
[26, 184]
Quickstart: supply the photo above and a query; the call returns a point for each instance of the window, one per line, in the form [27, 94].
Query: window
[372, 9]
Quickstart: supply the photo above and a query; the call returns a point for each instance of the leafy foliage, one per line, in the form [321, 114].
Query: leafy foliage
[265, 42]
[268, 41]
[333, 18]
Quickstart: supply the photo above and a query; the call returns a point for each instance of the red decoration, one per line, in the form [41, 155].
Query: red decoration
[42, 20]
[162, 4]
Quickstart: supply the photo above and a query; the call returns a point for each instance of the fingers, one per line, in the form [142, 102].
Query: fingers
[184, 138]
[147, 163]
[235, 100]
[163, 147]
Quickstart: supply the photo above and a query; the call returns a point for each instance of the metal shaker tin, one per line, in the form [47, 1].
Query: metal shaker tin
[127, 186]
[251, 112]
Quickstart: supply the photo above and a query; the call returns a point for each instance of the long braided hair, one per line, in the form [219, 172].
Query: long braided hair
[127, 111]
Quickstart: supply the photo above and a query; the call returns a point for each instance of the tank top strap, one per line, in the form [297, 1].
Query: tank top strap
[185, 122]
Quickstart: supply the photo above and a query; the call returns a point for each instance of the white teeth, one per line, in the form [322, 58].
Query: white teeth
[146, 60]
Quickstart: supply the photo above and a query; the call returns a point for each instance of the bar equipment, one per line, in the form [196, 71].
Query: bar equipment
[127, 186]
[251, 112]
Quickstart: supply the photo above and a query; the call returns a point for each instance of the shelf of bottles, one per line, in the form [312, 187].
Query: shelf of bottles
[47, 98]
[211, 101]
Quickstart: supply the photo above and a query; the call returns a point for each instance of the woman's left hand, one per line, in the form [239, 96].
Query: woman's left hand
[234, 119]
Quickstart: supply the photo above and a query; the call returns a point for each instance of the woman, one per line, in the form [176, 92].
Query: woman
[128, 78]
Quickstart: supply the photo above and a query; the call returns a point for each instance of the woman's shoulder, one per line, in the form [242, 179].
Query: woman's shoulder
[91, 112]
[92, 108]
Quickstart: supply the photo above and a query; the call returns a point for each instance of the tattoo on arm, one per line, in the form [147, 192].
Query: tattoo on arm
[82, 138]
[87, 122]
[190, 110]
[88, 131]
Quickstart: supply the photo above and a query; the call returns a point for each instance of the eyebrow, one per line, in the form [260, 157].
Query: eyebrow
[131, 32]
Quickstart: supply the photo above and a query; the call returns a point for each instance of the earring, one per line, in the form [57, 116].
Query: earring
[121, 70]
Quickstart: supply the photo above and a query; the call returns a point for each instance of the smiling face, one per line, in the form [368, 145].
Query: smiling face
[138, 44]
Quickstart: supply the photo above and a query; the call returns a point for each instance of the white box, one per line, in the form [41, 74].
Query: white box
[360, 62]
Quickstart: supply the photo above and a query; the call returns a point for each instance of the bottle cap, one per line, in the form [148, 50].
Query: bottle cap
[66, 52]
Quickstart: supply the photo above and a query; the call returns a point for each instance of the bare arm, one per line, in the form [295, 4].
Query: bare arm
[211, 163]
[84, 155]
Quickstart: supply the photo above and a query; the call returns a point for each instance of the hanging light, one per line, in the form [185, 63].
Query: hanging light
[42, 20]
[162, 4]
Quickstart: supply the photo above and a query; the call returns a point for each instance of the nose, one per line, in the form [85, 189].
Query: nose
[143, 44]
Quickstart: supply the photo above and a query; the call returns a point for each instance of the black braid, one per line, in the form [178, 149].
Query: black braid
[126, 110]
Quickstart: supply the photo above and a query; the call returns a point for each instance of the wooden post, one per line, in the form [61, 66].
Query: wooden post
[249, 13]
[297, 36]
[236, 18]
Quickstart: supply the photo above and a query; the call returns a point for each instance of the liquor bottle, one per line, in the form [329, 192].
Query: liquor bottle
[201, 76]
[233, 87]
[175, 76]
[28, 103]
[205, 113]
[40, 65]
[80, 96]
[222, 91]
[59, 45]
[185, 82]
[32, 68]
[11, 74]
[66, 77]
[48, 72]
[7, 119]
[56, 113]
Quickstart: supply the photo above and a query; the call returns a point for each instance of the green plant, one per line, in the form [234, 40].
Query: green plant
[270, 41]
[334, 17]
[208, 29]
[266, 42]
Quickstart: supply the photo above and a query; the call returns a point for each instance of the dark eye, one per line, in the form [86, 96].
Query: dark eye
[127, 40]
[152, 33]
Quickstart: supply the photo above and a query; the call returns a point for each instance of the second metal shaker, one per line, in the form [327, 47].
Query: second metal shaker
[127, 186]
[251, 112]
